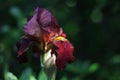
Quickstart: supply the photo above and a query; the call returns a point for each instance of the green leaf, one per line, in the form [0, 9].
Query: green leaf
[9, 76]
[32, 78]
[64, 78]
[93, 67]
[42, 75]
[27, 75]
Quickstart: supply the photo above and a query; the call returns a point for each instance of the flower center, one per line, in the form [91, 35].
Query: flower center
[45, 46]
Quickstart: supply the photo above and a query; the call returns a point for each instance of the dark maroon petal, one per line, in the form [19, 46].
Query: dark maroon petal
[36, 50]
[22, 58]
[64, 53]
[23, 46]
[32, 29]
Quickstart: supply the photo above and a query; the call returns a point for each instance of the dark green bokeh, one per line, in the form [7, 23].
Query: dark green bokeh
[93, 26]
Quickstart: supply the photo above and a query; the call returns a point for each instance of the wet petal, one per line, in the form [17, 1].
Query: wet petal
[64, 53]
[23, 46]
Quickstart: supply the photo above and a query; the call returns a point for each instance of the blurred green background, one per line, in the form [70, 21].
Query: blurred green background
[92, 26]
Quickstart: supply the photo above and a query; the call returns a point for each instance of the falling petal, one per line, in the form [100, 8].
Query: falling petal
[22, 58]
[64, 53]
[23, 46]
[36, 50]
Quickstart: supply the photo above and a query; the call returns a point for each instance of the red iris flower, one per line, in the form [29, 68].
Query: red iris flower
[43, 33]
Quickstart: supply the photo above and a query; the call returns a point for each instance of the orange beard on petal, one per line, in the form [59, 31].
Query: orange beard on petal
[59, 38]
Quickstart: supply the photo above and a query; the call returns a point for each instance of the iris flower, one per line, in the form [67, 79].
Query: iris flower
[43, 33]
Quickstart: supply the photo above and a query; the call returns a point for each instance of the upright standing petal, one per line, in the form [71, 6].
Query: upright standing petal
[47, 23]
[32, 28]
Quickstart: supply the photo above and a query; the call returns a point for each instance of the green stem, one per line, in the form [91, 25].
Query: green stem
[50, 73]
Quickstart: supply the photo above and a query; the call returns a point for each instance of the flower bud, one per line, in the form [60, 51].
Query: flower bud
[48, 64]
